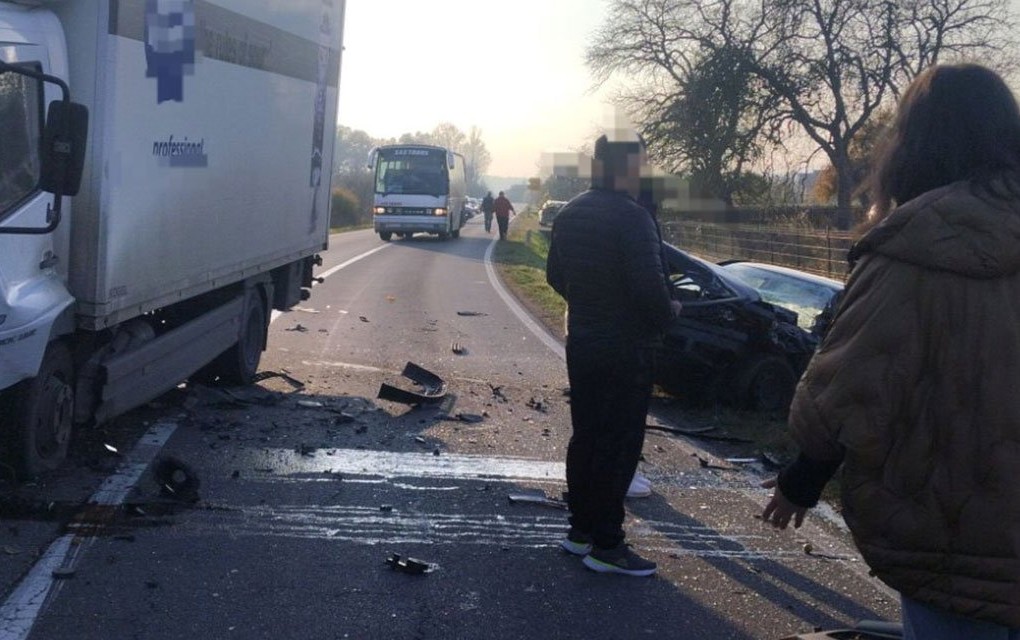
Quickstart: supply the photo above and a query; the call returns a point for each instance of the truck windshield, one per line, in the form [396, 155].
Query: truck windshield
[21, 133]
[412, 171]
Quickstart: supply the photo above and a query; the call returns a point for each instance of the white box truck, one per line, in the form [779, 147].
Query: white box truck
[164, 184]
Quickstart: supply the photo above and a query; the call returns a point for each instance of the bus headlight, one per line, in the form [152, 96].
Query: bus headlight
[439, 212]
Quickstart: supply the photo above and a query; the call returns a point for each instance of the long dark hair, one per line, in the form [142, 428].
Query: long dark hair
[955, 122]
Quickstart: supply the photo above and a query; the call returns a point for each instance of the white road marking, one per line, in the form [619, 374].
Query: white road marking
[19, 613]
[328, 272]
[389, 464]
[522, 315]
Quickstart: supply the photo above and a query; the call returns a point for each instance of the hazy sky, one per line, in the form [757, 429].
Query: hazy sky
[514, 69]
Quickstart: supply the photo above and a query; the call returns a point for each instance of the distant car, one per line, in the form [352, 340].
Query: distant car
[549, 211]
[746, 332]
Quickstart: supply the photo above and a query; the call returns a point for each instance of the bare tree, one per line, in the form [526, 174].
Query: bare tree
[478, 159]
[820, 67]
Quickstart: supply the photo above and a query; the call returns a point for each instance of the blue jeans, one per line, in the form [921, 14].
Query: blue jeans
[925, 622]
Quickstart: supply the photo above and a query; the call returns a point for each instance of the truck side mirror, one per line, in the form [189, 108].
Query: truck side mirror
[63, 150]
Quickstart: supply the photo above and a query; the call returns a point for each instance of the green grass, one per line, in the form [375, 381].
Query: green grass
[520, 261]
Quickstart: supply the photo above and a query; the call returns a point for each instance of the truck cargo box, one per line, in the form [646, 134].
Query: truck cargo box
[210, 120]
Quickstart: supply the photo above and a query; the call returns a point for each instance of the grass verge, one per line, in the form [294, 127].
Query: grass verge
[520, 262]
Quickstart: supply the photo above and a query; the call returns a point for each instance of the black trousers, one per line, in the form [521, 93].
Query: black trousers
[610, 389]
[503, 222]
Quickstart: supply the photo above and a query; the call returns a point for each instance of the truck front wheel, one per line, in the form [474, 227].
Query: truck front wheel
[43, 410]
[385, 235]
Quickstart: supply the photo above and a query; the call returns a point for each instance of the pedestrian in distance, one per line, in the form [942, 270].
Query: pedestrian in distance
[913, 389]
[605, 260]
[488, 206]
[503, 208]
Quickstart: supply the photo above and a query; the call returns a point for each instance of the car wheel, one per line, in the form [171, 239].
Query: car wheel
[766, 383]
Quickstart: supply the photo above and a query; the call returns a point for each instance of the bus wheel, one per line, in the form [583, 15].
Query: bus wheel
[43, 410]
[385, 235]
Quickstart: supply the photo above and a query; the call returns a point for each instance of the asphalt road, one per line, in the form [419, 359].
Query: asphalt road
[309, 483]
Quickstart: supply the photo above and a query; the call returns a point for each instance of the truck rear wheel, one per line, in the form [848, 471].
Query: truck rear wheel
[238, 365]
[385, 235]
[43, 410]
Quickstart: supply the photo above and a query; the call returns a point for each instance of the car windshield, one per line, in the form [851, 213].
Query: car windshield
[801, 295]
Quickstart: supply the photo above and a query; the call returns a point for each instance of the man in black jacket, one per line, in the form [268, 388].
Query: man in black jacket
[605, 259]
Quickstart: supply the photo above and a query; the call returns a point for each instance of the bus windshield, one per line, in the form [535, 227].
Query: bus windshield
[412, 171]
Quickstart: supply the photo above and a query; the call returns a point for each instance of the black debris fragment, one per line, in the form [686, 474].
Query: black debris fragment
[471, 313]
[538, 404]
[408, 565]
[433, 387]
[299, 328]
[176, 479]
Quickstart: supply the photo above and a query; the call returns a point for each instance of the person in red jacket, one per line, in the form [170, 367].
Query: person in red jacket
[503, 208]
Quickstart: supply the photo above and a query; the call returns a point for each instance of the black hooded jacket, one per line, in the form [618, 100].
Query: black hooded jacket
[605, 259]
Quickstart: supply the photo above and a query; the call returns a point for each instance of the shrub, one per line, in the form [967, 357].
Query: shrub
[346, 209]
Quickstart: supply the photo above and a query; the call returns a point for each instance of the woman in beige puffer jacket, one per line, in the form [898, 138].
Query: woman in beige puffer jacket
[916, 388]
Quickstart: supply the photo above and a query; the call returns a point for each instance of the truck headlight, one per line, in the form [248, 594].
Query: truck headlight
[379, 211]
[439, 212]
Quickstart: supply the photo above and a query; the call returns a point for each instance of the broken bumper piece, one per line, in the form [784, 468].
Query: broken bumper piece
[433, 387]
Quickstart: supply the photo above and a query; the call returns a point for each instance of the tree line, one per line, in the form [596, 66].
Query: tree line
[725, 91]
[354, 183]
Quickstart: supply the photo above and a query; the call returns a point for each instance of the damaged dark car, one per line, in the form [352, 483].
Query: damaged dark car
[746, 332]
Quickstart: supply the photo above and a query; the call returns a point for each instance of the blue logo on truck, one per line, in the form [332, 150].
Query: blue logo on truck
[170, 45]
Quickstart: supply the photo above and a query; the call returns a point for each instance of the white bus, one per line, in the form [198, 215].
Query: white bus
[418, 189]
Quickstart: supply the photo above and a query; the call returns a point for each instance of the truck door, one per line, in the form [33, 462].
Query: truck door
[31, 265]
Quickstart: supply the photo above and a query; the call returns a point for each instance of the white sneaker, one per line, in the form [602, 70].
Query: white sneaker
[640, 486]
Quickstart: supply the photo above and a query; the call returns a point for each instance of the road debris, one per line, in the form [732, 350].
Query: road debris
[176, 479]
[293, 382]
[471, 314]
[458, 349]
[538, 404]
[698, 433]
[497, 393]
[363, 319]
[433, 387]
[536, 498]
[412, 566]
[300, 328]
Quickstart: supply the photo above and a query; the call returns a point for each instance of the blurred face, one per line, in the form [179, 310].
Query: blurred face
[631, 181]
